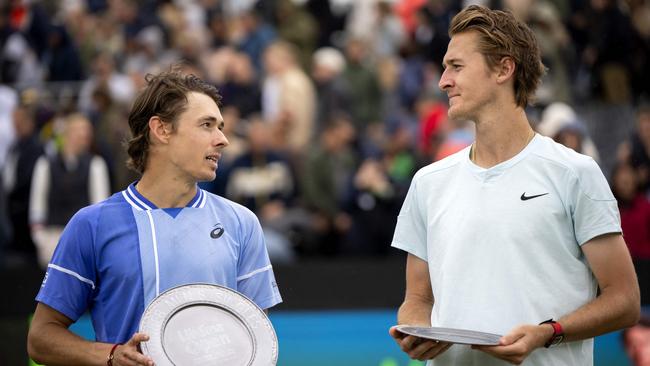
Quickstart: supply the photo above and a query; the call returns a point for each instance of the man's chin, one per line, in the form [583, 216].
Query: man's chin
[207, 177]
[457, 113]
[454, 113]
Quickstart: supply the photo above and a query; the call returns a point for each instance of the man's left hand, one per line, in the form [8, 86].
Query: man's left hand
[515, 346]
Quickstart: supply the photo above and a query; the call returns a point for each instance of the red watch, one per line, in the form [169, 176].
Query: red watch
[558, 333]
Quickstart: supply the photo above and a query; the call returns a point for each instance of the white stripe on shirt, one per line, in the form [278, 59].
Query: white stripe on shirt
[72, 273]
[136, 199]
[126, 197]
[251, 274]
[155, 251]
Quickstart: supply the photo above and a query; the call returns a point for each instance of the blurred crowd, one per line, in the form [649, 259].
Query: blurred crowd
[330, 107]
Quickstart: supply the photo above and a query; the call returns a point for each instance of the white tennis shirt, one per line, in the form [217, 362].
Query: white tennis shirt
[503, 244]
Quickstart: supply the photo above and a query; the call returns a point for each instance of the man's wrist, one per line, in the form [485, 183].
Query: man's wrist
[111, 355]
[547, 333]
[554, 333]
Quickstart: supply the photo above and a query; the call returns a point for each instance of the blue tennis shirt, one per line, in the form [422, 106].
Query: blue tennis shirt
[116, 256]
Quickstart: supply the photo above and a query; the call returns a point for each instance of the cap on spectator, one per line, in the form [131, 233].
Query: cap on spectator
[330, 58]
[555, 117]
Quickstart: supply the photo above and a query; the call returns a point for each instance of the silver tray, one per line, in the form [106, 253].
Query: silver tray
[451, 335]
[204, 324]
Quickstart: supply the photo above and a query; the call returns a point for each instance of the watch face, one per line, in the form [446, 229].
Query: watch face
[557, 340]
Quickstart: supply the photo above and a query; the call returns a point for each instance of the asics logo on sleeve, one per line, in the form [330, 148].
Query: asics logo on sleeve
[526, 198]
[217, 231]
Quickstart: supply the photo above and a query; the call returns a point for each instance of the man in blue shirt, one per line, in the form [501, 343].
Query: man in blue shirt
[163, 231]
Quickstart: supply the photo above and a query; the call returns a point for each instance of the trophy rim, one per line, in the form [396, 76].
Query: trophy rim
[248, 315]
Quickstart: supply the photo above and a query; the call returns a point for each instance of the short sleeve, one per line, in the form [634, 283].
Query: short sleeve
[594, 209]
[255, 277]
[410, 230]
[70, 279]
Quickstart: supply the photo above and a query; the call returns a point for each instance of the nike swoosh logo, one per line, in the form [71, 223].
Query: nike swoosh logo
[526, 198]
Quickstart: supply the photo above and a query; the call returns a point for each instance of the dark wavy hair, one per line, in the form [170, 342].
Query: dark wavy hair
[501, 35]
[165, 96]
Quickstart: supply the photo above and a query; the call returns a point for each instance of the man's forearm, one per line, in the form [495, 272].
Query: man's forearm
[415, 312]
[54, 345]
[608, 312]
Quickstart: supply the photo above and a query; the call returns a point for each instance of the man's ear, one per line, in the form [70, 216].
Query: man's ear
[505, 70]
[158, 130]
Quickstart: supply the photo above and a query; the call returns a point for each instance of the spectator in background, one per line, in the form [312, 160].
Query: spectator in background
[147, 53]
[455, 136]
[262, 180]
[62, 56]
[365, 93]
[5, 225]
[64, 183]
[388, 77]
[635, 210]
[387, 33]
[111, 132]
[330, 17]
[432, 115]
[298, 27]
[218, 26]
[288, 99]
[639, 11]
[8, 102]
[30, 19]
[17, 174]
[380, 185]
[374, 209]
[636, 341]
[639, 147]
[609, 35]
[133, 16]
[333, 91]
[120, 87]
[20, 64]
[326, 181]
[241, 88]
[257, 36]
[544, 20]
[571, 136]
[560, 122]
[429, 28]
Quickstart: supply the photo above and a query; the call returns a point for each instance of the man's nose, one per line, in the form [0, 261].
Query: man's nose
[445, 81]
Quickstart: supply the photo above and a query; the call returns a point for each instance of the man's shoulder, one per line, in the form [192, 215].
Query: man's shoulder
[551, 152]
[93, 212]
[442, 166]
[225, 205]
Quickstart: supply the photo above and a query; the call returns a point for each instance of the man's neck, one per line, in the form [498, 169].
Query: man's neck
[165, 191]
[501, 137]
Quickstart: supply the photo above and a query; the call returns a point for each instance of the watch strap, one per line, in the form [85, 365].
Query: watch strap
[558, 333]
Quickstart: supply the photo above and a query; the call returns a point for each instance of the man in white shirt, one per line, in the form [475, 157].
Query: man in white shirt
[515, 229]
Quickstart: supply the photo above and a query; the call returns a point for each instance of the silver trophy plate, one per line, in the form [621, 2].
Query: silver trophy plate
[204, 324]
[451, 335]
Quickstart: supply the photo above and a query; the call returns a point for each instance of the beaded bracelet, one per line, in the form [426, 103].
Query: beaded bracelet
[109, 360]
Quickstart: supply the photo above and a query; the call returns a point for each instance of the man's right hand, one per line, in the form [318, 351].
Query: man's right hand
[129, 354]
[418, 348]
